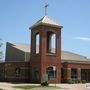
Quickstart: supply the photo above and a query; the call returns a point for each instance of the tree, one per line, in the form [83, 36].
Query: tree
[1, 53]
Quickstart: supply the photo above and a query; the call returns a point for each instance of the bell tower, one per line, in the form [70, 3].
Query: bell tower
[45, 58]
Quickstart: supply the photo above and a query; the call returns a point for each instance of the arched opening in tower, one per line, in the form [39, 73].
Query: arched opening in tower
[51, 42]
[37, 43]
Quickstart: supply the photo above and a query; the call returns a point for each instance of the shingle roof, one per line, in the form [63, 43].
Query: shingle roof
[71, 57]
[20, 46]
[65, 55]
[46, 21]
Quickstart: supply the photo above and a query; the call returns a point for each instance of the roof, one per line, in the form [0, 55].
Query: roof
[66, 56]
[70, 57]
[46, 21]
[20, 46]
[23, 47]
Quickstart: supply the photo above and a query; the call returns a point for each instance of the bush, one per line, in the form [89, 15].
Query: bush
[83, 81]
[70, 81]
[77, 81]
[44, 84]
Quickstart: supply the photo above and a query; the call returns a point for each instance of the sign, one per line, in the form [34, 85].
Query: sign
[45, 77]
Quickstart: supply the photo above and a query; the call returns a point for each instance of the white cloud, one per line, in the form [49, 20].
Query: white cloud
[83, 38]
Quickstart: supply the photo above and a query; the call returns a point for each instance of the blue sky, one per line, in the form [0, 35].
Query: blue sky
[16, 16]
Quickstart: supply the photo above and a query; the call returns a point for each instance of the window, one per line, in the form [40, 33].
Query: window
[62, 72]
[17, 72]
[51, 72]
[51, 42]
[74, 73]
[37, 43]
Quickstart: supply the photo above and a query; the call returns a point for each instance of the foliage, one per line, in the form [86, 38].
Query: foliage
[74, 81]
[71, 81]
[44, 83]
[26, 87]
[30, 87]
[83, 81]
[1, 89]
[1, 53]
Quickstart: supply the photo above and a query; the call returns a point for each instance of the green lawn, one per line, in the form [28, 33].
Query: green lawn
[1, 89]
[26, 87]
[29, 87]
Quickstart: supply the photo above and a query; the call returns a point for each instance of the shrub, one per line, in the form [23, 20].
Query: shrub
[83, 81]
[44, 83]
[70, 81]
[77, 81]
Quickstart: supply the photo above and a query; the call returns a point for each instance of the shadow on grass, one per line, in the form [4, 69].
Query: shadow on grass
[29, 87]
[1, 89]
[26, 87]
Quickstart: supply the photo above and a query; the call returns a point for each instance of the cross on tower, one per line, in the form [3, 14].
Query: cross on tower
[46, 6]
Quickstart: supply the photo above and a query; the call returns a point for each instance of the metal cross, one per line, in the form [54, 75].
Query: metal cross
[46, 6]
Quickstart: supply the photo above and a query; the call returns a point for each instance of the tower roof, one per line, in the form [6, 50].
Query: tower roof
[46, 21]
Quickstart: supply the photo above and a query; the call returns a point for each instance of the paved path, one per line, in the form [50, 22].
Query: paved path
[9, 86]
[73, 86]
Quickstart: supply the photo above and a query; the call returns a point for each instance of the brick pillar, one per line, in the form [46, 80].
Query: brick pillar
[79, 73]
[68, 73]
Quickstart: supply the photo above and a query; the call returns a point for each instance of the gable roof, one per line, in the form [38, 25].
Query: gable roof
[69, 56]
[65, 55]
[46, 21]
[22, 47]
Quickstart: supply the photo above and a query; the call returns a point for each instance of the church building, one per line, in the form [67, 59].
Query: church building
[43, 61]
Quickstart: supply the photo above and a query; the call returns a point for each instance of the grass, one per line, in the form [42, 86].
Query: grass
[1, 89]
[26, 87]
[29, 87]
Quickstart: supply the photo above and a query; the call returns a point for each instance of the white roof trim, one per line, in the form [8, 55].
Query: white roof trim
[47, 21]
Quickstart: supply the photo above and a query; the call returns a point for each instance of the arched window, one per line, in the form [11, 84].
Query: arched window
[51, 42]
[37, 43]
[51, 72]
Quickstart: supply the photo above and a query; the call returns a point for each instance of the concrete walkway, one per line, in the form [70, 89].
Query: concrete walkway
[9, 86]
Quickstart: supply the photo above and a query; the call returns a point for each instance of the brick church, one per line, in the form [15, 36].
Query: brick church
[43, 60]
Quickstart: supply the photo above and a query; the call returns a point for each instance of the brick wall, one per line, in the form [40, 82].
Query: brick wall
[10, 71]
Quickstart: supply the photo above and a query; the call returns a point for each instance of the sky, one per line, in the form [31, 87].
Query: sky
[16, 16]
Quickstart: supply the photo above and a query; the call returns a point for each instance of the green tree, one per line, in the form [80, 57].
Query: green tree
[1, 53]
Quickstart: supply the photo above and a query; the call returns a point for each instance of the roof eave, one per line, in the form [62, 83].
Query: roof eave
[57, 26]
[73, 61]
